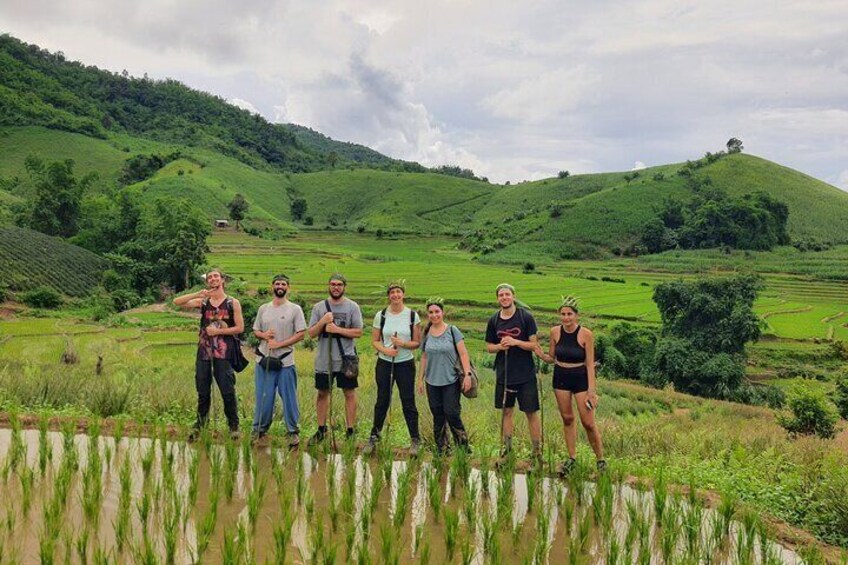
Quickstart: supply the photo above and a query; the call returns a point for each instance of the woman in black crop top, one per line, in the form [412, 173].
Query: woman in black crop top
[572, 350]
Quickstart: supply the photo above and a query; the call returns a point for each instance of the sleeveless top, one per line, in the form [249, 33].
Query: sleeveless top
[568, 350]
[215, 347]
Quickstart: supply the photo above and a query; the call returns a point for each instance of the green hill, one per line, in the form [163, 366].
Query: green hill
[29, 259]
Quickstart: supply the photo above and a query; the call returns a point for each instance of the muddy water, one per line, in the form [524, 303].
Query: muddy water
[331, 508]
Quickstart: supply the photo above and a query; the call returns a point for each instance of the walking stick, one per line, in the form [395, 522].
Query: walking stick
[391, 392]
[541, 408]
[503, 402]
[330, 375]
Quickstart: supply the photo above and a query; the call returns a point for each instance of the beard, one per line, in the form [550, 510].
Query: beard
[337, 292]
[280, 292]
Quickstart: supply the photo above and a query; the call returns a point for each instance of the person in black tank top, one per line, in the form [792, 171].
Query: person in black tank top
[572, 351]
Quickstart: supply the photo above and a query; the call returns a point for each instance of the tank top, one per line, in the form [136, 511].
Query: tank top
[568, 350]
[214, 347]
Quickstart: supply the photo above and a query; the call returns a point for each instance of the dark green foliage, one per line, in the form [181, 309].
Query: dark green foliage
[142, 167]
[29, 259]
[238, 207]
[840, 394]
[455, 171]
[636, 346]
[563, 174]
[706, 324]
[752, 221]
[55, 206]
[298, 208]
[810, 413]
[42, 297]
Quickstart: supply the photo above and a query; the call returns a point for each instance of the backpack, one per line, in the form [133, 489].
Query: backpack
[411, 322]
[237, 359]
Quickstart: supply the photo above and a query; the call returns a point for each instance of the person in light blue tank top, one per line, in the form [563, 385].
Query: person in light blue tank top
[395, 335]
[442, 346]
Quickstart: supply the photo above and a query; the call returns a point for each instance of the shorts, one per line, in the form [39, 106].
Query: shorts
[322, 381]
[526, 393]
[573, 380]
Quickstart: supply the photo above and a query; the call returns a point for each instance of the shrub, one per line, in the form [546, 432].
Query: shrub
[308, 221]
[42, 297]
[840, 395]
[810, 413]
[529, 267]
[563, 174]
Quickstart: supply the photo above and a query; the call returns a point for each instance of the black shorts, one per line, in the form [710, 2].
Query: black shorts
[322, 381]
[526, 393]
[575, 379]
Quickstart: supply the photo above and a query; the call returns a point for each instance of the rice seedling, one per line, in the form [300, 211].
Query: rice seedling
[515, 533]
[254, 501]
[45, 447]
[490, 538]
[402, 499]
[451, 531]
[812, 555]
[669, 535]
[532, 481]
[584, 531]
[170, 524]
[363, 556]
[350, 539]
[316, 538]
[142, 506]
[309, 504]
[301, 481]
[47, 548]
[574, 551]
[81, 546]
[503, 504]
[100, 556]
[118, 432]
[568, 514]
[693, 518]
[644, 544]
[147, 458]
[660, 496]
[231, 549]
[614, 556]
[434, 492]
[232, 462]
[470, 506]
[27, 478]
[207, 524]
[726, 513]
[388, 553]
[466, 550]
[423, 550]
[542, 545]
[602, 503]
[376, 488]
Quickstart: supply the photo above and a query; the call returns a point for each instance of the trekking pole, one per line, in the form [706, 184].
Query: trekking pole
[503, 401]
[391, 393]
[330, 375]
[541, 407]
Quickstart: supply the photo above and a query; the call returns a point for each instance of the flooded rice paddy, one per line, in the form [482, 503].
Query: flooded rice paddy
[142, 500]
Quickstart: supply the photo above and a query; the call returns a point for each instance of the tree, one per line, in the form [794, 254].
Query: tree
[734, 145]
[706, 324]
[563, 174]
[238, 208]
[810, 413]
[55, 208]
[298, 208]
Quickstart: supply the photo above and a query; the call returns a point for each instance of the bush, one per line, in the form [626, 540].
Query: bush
[810, 413]
[563, 174]
[42, 297]
[529, 267]
[840, 395]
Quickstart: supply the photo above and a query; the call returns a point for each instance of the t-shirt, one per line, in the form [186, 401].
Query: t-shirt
[286, 320]
[345, 315]
[441, 356]
[522, 327]
[396, 323]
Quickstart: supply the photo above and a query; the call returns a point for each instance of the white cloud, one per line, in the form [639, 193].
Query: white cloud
[514, 91]
[842, 182]
[244, 105]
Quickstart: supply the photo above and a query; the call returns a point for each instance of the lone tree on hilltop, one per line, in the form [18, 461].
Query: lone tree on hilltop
[238, 208]
[563, 174]
[734, 145]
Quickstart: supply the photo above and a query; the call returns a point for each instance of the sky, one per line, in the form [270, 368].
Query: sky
[514, 91]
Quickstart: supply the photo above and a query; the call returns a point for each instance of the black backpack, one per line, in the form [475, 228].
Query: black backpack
[237, 359]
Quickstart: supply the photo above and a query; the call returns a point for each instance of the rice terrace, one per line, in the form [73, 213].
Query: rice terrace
[716, 367]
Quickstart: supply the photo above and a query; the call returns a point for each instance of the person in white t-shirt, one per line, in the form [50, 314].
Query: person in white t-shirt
[395, 335]
[279, 325]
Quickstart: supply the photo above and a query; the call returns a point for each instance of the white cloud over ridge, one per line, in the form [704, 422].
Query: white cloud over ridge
[512, 91]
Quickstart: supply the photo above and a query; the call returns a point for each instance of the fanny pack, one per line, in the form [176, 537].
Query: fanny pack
[270, 363]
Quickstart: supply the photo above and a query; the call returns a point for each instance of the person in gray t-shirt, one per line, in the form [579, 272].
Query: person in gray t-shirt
[279, 325]
[440, 347]
[337, 319]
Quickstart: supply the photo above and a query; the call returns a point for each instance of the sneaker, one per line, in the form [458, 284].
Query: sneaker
[317, 438]
[370, 446]
[566, 467]
[256, 436]
[235, 435]
[193, 436]
[415, 447]
[294, 440]
[602, 466]
[350, 433]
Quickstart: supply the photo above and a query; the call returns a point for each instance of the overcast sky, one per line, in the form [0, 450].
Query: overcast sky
[512, 90]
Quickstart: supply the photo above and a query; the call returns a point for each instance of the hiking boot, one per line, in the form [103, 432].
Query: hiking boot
[193, 436]
[371, 446]
[235, 434]
[294, 440]
[317, 438]
[566, 467]
[415, 447]
[602, 466]
[256, 437]
[350, 434]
